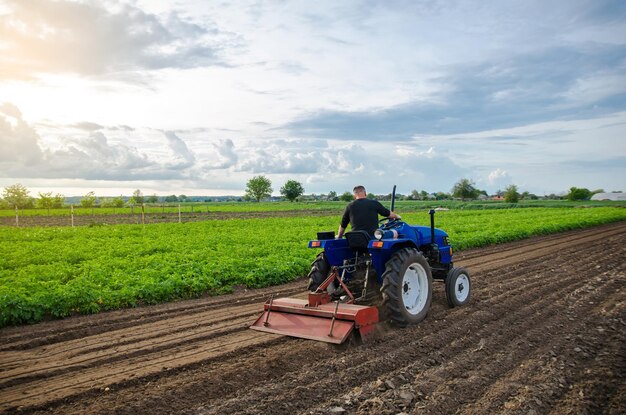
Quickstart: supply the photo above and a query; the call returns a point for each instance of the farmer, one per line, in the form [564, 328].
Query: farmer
[362, 213]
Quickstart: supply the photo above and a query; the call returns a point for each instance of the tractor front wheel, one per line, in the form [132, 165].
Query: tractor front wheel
[458, 287]
[407, 287]
[319, 271]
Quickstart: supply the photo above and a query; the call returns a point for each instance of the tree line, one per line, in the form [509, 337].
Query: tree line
[260, 188]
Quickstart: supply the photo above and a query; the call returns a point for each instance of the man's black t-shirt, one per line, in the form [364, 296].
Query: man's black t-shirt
[362, 214]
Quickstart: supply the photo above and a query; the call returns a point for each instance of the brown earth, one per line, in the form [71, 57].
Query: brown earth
[166, 217]
[545, 333]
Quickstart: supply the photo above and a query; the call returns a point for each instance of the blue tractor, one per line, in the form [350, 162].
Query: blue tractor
[358, 281]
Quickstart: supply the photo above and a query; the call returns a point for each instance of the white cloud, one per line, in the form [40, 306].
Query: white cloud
[80, 155]
[87, 38]
[596, 87]
[19, 142]
[181, 151]
[224, 156]
[330, 93]
[498, 178]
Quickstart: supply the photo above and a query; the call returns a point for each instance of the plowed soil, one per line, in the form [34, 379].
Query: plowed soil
[544, 333]
[165, 217]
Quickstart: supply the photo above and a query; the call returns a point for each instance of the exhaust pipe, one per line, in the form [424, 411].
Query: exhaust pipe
[432, 225]
[393, 197]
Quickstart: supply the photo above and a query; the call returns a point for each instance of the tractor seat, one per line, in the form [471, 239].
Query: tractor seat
[358, 240]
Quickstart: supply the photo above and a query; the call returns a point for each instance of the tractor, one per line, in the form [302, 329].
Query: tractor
[358, 281]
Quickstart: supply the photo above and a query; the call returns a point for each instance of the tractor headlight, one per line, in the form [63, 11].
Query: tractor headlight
[386, 234]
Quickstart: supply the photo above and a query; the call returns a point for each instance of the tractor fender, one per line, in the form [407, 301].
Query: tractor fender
[337, 250]
[380, 255]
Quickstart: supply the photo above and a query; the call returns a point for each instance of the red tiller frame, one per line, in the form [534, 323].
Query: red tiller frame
[317, 318]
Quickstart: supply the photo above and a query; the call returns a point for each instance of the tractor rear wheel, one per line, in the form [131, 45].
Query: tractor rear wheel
[320, 269]
[407, 287]
[458, 287]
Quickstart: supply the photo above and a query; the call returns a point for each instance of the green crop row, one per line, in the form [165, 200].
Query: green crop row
[59, 271]
[407, 205]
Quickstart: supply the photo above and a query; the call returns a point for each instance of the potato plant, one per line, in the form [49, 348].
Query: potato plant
[59, 271]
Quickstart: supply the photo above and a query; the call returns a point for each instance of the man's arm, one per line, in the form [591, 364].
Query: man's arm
[345, 219]
[340, 232]
[383, 211]
[393, 215]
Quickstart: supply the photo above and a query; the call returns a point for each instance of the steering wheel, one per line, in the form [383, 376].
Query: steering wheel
[390, 222]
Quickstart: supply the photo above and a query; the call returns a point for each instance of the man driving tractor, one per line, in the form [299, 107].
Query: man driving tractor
[362, 213]
[357, 281]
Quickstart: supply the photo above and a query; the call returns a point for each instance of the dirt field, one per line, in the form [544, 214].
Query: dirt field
[166, 217]
[545, 333]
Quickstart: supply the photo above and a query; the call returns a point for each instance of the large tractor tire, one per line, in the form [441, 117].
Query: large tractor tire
[458, 287]
[319, 271]
[407, 288]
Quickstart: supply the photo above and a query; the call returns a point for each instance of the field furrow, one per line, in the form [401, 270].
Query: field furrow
[543, 332]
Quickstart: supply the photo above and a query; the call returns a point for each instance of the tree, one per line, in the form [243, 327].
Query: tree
[118, 202]
[17, 196]
[89, 200]
[291, 190]
[109, 202]
[576, 193]
[48, 201]
[152, 199]
[171, 198]
[593, 192]
[138, 197]
[553, 196]
[332, 195]
[183, 198]
[465, 189]
[369, 196]
[258, 188]
[346, 197]
[442, 196]
[510, 194]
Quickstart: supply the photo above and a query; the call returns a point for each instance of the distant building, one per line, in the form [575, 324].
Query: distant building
[609, 196]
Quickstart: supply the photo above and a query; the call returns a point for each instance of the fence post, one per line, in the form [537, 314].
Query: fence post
[17, 217]
[179, 215]
[143, 213]
[72, 214]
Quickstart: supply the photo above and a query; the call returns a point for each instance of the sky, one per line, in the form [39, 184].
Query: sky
[196, 97]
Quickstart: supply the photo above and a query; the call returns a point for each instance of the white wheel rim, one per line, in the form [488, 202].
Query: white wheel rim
[414, 288]
[461, 288]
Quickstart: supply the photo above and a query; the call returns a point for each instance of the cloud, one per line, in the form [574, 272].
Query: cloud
[498, 178]
[181, 152]
[541, 85]
[224, 155]
[80, 156]
[87, 38]
[93, 157]
[19, 142]
[338, 165]
[87, 126]
[330, 94]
